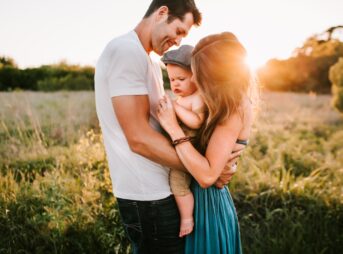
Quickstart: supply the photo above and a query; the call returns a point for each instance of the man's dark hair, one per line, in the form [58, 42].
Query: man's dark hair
[177, 9]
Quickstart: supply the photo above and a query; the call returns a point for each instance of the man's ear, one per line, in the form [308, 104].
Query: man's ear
[162, 12]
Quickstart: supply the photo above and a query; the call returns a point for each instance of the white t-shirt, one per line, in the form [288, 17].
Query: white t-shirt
[124, 68]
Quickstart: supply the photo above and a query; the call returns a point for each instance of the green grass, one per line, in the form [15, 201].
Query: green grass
[55, 190]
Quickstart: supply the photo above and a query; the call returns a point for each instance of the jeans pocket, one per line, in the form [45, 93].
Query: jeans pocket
[131, 220]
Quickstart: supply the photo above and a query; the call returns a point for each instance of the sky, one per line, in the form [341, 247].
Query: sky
[38, 32]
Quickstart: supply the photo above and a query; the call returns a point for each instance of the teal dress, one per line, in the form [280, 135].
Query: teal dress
[216, 228]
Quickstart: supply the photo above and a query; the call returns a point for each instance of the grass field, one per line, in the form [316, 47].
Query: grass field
[56, 197]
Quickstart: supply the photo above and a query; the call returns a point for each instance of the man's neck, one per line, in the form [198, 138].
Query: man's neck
[143, 31]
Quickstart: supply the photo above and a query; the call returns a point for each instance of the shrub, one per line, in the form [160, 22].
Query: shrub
[336, 77]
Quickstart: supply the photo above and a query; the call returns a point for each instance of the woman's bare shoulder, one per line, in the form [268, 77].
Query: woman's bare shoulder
[241, 120]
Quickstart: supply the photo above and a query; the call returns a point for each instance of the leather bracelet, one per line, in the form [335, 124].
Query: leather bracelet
[181, 140]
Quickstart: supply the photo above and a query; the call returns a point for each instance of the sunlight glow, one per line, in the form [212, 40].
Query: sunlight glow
[264, 28]
[254, 63]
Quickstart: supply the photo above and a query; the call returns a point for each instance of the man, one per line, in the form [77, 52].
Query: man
[128, 86]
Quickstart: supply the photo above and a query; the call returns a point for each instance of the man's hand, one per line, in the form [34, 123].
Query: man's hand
[229, 170]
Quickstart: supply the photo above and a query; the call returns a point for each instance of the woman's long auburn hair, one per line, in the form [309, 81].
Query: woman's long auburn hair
[223, 78]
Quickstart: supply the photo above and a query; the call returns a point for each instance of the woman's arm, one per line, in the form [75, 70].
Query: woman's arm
[205, 169]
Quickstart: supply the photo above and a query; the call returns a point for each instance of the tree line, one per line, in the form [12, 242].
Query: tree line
[55, 77]
[61, 76]
[308, 68]
[316, 66]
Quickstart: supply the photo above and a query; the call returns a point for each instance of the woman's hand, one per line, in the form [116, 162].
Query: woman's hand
[226, 176]
[229, 170]
[166, 115]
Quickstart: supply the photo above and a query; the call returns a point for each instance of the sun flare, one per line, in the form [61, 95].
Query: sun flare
[253, 63]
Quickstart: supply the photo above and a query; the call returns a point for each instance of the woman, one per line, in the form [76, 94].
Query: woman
[224, 81]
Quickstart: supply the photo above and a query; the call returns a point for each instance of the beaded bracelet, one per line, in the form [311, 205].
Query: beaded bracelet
[181, 140]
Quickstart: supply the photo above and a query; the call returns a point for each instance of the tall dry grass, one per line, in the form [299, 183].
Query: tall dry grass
[55, 191]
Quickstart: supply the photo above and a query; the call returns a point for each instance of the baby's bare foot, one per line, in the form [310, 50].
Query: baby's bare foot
[186, 227]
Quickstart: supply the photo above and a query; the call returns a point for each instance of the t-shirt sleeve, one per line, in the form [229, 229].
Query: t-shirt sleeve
[127, 71]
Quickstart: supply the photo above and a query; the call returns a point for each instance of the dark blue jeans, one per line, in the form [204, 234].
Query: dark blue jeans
[152, 226]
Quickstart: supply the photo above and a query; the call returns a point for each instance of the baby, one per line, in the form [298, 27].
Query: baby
[190, 110]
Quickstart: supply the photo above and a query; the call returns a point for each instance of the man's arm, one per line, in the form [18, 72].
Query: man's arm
[133, 113]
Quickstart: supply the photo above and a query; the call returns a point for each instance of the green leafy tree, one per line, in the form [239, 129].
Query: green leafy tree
[336, 77]
[166, 82]
[68, 82]
[61, 76]
[308, 68]
[7, 62]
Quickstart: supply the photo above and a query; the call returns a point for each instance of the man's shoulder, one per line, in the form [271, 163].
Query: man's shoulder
[126, 44]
